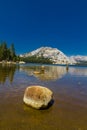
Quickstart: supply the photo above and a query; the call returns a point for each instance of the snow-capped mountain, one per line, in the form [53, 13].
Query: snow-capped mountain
[55, 55]
[78, 59]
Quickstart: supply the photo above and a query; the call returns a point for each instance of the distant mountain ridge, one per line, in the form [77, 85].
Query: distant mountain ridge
[78, 59]
[55, 55]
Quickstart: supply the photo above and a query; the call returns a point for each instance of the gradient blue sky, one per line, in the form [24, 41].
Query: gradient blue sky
[30, 24]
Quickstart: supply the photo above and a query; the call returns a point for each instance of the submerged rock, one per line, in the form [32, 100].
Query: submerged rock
[38, 97]
[37, 72]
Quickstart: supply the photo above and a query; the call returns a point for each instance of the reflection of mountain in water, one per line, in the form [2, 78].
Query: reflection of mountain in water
[50, 73]
[78, 71]
[7, 72]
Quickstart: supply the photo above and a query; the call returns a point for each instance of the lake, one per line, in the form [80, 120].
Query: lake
[69, 111]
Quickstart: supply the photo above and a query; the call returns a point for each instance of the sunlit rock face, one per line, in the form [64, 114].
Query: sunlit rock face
[38, 97]
[55, 55]
[50, 72]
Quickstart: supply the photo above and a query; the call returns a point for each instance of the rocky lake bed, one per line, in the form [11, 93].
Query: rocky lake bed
[69, 87]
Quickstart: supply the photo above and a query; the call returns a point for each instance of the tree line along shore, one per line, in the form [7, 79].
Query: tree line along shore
[9, 56]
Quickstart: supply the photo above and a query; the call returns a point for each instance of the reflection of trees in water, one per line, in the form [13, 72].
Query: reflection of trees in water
[50, 73]
[7, 72]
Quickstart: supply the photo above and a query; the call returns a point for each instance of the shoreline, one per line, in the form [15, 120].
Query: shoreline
[12, 62]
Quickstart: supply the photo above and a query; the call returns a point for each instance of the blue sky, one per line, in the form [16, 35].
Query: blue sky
[30, 24]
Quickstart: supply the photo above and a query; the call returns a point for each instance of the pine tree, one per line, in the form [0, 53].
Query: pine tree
[3, 51]
[12, 51]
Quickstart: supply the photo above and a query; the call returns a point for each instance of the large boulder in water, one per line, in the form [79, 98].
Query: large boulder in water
[38, 97]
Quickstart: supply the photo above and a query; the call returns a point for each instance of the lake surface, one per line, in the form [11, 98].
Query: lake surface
[69, 111]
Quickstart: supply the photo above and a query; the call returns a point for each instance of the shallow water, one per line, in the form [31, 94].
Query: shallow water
[69, 111]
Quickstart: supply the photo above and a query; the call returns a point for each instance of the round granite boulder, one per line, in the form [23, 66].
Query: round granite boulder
[38, 97]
